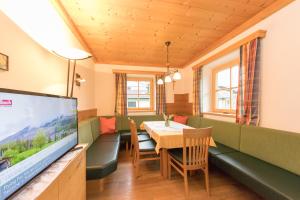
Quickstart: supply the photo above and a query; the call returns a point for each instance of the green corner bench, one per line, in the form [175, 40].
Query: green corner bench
[102, 152]
[103, 149]
[265, 160]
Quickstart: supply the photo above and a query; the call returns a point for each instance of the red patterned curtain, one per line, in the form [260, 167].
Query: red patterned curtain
[160, 97]
[247, 110]
[197, 76]
[121, 94]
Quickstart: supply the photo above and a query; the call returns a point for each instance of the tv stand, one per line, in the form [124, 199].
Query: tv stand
[63, 180]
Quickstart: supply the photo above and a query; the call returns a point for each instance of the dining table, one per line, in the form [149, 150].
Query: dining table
[166, 137]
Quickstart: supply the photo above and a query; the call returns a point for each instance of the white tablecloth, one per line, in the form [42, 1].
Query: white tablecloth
[167, 137]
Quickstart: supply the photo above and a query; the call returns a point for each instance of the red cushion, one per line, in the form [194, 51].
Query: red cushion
[180, 119]
[107, 125]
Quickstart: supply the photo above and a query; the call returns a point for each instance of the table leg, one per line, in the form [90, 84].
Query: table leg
[161, 162]
[164, 163]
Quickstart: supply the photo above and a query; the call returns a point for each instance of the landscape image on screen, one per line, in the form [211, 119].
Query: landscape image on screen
[34, 132]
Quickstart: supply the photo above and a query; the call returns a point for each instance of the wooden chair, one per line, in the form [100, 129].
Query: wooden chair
[142, 136]
[193, 155]
[143, 150]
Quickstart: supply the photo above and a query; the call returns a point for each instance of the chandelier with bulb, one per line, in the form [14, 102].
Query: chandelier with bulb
[170, 75]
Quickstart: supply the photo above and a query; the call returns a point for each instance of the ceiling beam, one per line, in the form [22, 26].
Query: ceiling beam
[67, 19]
[277, 5]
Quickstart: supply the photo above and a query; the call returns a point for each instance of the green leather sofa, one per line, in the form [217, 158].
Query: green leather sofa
[102, 152]
[265, 160]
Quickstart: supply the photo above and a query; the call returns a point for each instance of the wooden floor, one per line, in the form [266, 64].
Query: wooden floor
[151, 186]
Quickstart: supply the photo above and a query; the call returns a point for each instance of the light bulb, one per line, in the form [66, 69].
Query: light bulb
[168, 79]
[160, 82]
[177, 76]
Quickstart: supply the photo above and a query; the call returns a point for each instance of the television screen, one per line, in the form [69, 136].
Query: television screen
[35, 130]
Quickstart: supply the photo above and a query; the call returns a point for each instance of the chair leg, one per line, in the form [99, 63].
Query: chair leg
[131, 149]
[101, 185]
[126, 148]
[186, 184]
[207, 180]
[169, 167]
[137, 168]
[134, 159]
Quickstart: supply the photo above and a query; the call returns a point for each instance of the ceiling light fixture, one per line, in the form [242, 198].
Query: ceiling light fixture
[169, 75]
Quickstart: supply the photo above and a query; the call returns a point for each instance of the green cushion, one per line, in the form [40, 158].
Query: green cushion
[148, 145]
[268, 180]
[101, 158]
[85, 133]
[122, 123]
[95, 127]
[141, 118]
[220, 149]
[194, 121]
[226, 133]
[280, 148]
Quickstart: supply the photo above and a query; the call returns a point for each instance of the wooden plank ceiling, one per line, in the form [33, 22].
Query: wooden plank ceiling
[133, 32]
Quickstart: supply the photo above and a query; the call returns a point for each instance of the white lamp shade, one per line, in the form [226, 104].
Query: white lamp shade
[177, 76]
[160, 82]
[72, 53]
[168, 79]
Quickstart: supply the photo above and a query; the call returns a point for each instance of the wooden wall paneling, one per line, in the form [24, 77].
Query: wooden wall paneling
[267, 11]
[181, 98]
[85, 114]
[134, 32]
[181, 105]
[68, 20]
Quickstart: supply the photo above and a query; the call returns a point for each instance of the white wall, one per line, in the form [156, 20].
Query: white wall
[280, 68]
[33, 68]
[105, 86]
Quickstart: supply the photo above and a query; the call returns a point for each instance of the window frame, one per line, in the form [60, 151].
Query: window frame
[227, 65]
[138, 109]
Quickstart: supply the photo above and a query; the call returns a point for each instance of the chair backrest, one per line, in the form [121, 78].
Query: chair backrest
[134, 135]
[195, 147]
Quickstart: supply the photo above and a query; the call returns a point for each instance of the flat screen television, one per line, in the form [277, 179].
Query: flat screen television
[35, 130]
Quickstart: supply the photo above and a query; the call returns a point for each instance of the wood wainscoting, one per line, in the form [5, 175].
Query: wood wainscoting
[85, 114]
[181, 105]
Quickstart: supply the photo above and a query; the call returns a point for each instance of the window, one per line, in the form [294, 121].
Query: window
[140, 94]
[225, 87]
